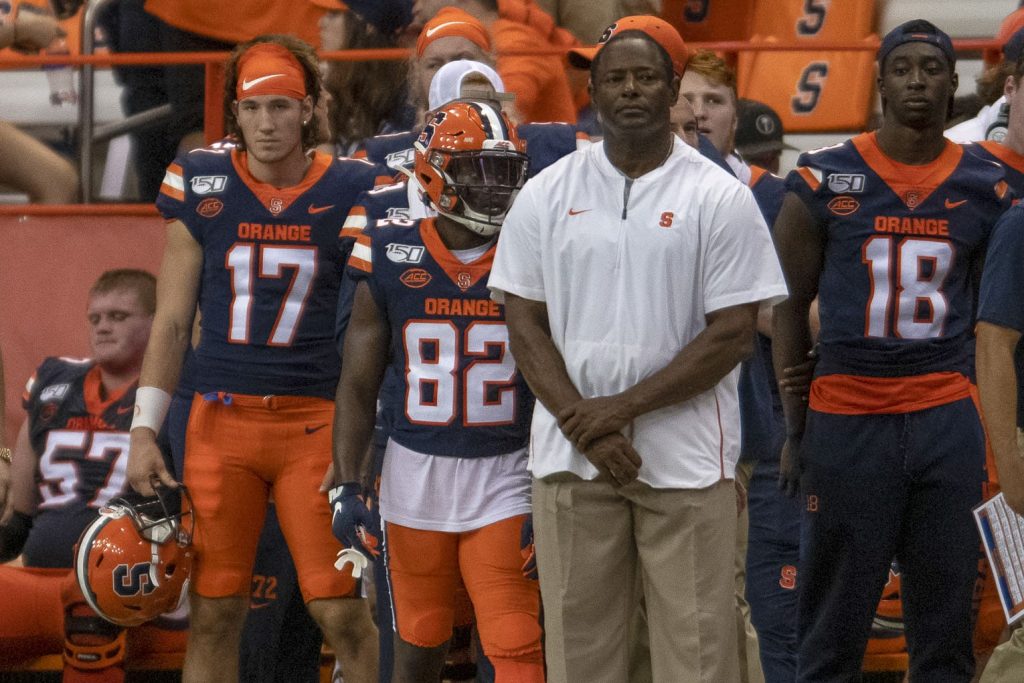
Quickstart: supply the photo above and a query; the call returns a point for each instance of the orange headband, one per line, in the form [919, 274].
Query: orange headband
[451, 21]
[269, 69]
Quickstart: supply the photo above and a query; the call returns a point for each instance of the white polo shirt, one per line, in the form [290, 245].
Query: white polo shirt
[629, 270]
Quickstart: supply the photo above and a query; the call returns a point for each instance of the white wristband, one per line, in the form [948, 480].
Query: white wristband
[151, 404]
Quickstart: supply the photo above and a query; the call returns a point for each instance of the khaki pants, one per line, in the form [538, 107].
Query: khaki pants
[1006, 665]
[595, 541]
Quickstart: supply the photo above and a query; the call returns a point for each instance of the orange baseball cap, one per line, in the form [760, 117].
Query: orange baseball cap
[452, 21]
[269, 69]
[659, 30]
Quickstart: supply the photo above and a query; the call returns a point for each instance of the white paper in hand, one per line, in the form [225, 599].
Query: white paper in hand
[353, 557]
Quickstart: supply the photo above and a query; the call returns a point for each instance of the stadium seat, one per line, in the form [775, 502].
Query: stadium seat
[813, 90]
[710, 20]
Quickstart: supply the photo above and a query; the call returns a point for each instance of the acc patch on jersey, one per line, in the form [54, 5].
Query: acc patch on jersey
[843, 205]
[209, 207]
[415, 278]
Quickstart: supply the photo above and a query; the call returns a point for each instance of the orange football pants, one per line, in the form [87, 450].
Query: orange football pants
[425, 568]
[241, 449]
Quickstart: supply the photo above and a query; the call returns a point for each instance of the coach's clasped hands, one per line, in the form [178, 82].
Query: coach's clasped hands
[351, 521]
[591, 418]
[593, 426]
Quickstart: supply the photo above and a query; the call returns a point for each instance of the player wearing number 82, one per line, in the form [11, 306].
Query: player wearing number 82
[887, 229]
[253, 237]
[457, 406]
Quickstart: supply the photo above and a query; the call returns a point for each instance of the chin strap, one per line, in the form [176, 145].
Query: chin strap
[94, 648]
[479, 227]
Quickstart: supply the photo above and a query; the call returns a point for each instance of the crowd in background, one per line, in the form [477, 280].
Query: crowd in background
[530, 50]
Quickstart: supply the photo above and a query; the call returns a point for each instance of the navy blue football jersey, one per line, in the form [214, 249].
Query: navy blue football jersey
[386, 203]
[1001, 301]
[272, 267]
[459, 391]
[897, 290]
[1012, 163]
[769, 191]
[81, 438]
[763, 431]
[709, 151]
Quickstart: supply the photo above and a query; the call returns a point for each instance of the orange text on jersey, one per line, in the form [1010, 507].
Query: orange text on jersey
[88, 423]
[903, 225]
[478, 308]
[274, 231]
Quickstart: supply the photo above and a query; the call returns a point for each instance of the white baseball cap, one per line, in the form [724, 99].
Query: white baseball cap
[447, 83]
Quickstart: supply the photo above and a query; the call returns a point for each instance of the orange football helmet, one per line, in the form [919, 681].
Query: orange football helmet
[133, 562]
[471, 164]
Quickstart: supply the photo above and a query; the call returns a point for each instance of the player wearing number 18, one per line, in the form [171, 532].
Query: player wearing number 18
[253, 238]
[887, 230]
[454, 491]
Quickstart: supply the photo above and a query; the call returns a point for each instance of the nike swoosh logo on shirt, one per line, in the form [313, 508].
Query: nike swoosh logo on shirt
[432, 31]
[577, 212]
[953, 205]
[248, 84]
[317, 428]
[319, 209]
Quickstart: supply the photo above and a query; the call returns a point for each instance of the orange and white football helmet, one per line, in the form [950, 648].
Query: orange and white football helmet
[133, 562]
[471, 164]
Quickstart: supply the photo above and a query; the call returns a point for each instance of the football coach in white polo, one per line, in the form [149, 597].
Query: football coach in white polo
[632, 273]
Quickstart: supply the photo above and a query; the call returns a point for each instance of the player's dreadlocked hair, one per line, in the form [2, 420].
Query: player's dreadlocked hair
[306, 56]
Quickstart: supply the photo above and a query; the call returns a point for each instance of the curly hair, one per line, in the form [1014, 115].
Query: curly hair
[364, 94]
[306, 56]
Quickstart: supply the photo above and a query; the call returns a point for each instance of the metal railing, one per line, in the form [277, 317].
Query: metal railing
[89, 134]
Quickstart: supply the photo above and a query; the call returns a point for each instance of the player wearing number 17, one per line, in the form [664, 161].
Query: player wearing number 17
[253, 237]
[887, 230]
[455, 491]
